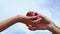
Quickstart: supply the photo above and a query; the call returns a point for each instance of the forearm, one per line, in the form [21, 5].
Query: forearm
[55, 29]
[8, 22]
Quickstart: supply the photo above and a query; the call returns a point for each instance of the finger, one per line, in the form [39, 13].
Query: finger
[32, 28]
[44, 17]
[33, 18]
[38, 20]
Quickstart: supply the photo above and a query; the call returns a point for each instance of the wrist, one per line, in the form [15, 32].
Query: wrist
[54, 29]
[19, 18]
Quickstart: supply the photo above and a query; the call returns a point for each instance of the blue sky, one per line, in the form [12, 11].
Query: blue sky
[9, 8]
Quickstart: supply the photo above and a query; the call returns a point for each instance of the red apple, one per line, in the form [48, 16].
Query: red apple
[31, 13]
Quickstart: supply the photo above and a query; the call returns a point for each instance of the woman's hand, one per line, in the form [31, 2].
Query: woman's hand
[25, 19]
[10, 21]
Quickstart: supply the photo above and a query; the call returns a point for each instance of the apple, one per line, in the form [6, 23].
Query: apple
[31, 13]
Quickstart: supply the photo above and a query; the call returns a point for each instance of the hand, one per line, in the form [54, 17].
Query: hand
[10, 21]
[42, 23]
[46, 24]
[25, 19]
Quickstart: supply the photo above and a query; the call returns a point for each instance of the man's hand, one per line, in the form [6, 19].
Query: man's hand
[44, 23]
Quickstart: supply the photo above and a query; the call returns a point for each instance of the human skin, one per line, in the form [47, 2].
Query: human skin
[10, 21]
[44, 24]
[41, 23]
